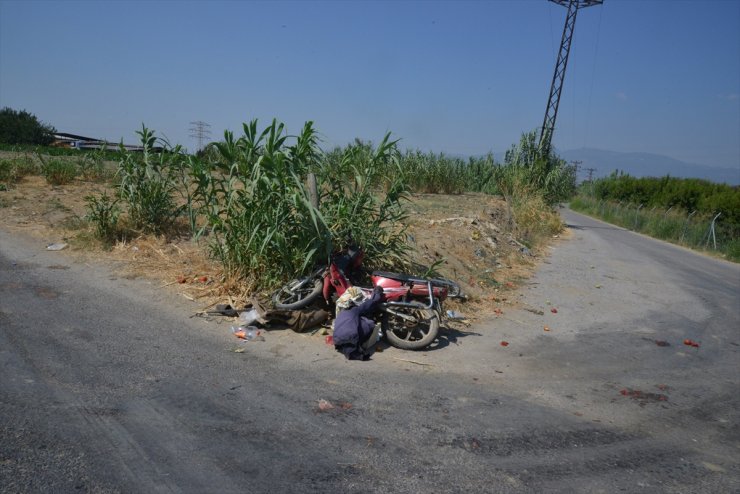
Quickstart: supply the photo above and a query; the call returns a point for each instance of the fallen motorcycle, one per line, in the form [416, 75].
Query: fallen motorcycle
[410, 315]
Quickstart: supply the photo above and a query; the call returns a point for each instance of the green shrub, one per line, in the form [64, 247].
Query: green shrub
[58, 171]
[103, 213]
[91, 165]
[13, 170]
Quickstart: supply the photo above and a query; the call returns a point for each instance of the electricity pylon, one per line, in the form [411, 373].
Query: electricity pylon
[551, 113]
[200, 131]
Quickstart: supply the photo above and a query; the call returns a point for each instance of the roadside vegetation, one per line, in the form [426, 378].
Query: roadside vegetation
[251, 201]
[690, 212]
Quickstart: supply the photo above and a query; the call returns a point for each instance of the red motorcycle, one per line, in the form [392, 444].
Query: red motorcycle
[412, 310]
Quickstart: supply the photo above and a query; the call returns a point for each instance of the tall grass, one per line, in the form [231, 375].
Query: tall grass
[674, 225]
[440, 174]
[14, 169]
[362, 189]
[255, 204]
[57, 171]
[252, 200]
[530, 180]
[248, 196]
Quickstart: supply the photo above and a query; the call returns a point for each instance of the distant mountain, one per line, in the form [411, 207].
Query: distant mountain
[646, 165]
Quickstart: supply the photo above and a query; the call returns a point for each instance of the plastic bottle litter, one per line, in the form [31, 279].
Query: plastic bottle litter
[248, 333]
[452, 314]
[248, 317]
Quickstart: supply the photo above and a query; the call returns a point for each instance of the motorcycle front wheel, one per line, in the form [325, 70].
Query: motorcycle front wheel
[298, 293]
[410, 328]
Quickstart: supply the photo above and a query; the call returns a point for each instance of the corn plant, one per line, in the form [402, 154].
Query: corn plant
[146, 183]
[362, 190]
[256, 206]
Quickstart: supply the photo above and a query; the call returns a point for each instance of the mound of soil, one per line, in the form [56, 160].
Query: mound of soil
[471, 234]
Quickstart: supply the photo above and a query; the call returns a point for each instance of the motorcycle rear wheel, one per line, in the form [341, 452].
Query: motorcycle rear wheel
[411, 335]
[298, 293]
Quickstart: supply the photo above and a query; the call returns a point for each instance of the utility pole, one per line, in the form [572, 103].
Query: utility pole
[551, 113]
[200, 131]
[577, 164]
[590, 173]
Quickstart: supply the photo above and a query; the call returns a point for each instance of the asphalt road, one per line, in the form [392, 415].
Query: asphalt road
[107, 385]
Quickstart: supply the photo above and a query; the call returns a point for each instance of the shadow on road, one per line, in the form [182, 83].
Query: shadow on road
[447, 336]
[581, 227]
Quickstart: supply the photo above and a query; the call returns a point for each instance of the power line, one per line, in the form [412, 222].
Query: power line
[200, 131]
[590, 173]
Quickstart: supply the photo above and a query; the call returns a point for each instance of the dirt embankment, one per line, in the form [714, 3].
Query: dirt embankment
[469, 233]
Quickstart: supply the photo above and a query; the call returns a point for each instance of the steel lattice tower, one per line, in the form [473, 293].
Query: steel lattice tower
[551, 113]
[200, 131]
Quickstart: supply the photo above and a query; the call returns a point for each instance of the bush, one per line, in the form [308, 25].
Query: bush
[58, 171]
[21, 127]
[13, 170]
[91, 165]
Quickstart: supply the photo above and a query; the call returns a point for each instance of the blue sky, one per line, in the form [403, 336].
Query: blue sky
[454, 77]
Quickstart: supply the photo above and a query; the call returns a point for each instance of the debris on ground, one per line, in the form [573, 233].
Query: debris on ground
[535, 311]
[224, 310]
[554, 310]
[642, 397]
[692, 343]
[504, 343]
[325, 405]
[248, 333]
[547, 328]
[248, 316]
[452, 314]
[57, 246]
[412, 361]
[662, 343]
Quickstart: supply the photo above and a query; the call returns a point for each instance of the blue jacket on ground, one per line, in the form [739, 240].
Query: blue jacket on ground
[352, 328]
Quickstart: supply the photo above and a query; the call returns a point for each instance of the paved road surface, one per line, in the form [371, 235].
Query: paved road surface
[108, 386]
